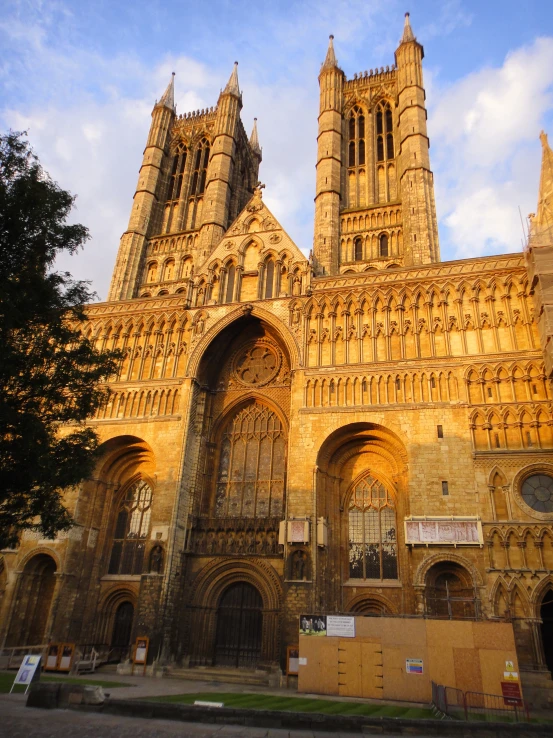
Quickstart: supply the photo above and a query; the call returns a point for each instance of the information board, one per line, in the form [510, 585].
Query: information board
[511, 693]
[29, 671]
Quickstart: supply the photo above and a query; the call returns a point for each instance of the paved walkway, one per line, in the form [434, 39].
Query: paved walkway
[18, 721]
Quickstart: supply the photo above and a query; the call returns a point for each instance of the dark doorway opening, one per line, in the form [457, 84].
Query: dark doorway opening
[34, 601]
[239, 624]
[546, 614]
[122, 628]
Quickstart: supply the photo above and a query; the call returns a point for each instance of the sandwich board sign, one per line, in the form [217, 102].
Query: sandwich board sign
[29, 671]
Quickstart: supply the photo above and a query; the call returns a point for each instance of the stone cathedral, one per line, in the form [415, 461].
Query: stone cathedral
[368, 430]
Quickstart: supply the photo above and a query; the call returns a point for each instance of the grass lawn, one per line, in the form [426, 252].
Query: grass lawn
[298, 704]
[7, 677]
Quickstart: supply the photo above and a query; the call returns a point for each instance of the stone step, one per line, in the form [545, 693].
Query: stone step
[231, 676]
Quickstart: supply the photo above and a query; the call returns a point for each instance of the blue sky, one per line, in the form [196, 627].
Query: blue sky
[82, 78]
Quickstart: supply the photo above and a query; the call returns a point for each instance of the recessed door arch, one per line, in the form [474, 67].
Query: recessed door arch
[239, 626]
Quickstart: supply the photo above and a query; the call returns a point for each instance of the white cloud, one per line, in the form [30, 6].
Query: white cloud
[484, 130]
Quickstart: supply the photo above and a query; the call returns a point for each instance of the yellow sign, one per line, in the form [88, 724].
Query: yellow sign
[510, 676]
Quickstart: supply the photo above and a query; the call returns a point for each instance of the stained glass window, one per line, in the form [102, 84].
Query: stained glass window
[250, 479]
[372, 531]
[537, 491]
[131, 530]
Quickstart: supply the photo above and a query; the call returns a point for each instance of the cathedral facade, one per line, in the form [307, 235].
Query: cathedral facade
[368, 430]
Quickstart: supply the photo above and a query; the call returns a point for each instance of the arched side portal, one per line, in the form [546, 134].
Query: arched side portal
[33, 604]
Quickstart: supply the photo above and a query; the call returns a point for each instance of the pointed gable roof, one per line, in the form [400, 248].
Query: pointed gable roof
[255, 223]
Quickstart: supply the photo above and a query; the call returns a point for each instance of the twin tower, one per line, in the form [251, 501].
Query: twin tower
[374, 201]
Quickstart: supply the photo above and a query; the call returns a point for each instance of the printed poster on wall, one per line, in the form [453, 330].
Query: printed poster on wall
[337, 625]
[313, 625]
[413, 666]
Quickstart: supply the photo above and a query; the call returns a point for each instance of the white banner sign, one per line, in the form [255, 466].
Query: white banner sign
[340, 626]
[438, 532]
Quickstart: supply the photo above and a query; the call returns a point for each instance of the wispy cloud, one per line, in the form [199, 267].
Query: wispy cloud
[484, 130]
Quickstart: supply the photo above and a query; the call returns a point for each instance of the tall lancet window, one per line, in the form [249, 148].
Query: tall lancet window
[385, 153]
[132, 528]
[201, 160]
[252, 461]
[175, 187]
[356, 158]
[372, 531]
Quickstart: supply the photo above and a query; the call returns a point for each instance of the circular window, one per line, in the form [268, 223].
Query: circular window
[537, 492]
[257, 364]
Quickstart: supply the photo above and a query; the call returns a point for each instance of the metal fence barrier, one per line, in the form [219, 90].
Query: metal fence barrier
[458, 705]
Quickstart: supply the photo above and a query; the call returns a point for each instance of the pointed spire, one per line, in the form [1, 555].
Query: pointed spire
[254, 139]
[330, 60]
[168, 97]
[408, 34]
[543, 221]
[232, 87]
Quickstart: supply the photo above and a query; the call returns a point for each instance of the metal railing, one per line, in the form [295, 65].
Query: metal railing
[11, 657]
[478, 706]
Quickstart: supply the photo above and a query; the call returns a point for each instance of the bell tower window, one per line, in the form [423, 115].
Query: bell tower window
[356, 158]
[175, 186]
[383, 240]
[358, 249]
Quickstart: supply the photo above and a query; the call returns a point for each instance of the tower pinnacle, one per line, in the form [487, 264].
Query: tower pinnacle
[408, 34]
[232, 87]
[330, 60]
[254, 139]
[168, 98]
[543, 221]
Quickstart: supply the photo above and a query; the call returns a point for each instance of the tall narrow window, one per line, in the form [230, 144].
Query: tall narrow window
[269, 278]
[358, 249]
[252, 463]
[351, 162]
[356, 158]
[175, 185]
[201, 161]
[384, 244]
[132, 528]
[384, 133]
[230, 283]
[372, 531]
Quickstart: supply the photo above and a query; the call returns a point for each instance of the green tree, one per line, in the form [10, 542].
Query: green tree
[50, 375]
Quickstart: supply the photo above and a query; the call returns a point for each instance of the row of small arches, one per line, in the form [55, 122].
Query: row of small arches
[140, 404]
[508, 428]
[374, 220]
[513, 383]
[381, 389]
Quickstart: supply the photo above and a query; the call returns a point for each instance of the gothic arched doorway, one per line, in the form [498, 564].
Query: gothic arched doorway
[122, 629]
[34, 601]
[239, 626]
[546, 614]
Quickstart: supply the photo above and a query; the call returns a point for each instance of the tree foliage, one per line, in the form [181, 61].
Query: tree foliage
[50, 375]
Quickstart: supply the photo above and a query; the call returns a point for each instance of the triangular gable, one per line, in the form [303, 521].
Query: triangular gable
[252, 238]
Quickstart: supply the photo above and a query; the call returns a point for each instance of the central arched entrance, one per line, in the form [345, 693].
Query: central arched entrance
[239, 626]
[546, 614]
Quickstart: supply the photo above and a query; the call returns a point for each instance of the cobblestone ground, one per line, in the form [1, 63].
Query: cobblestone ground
[18, 721]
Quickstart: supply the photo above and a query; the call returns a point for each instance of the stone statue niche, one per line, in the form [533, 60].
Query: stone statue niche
[298, 566]
[156, 560]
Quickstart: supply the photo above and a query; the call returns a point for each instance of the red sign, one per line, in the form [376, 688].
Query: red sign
[511, 693]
